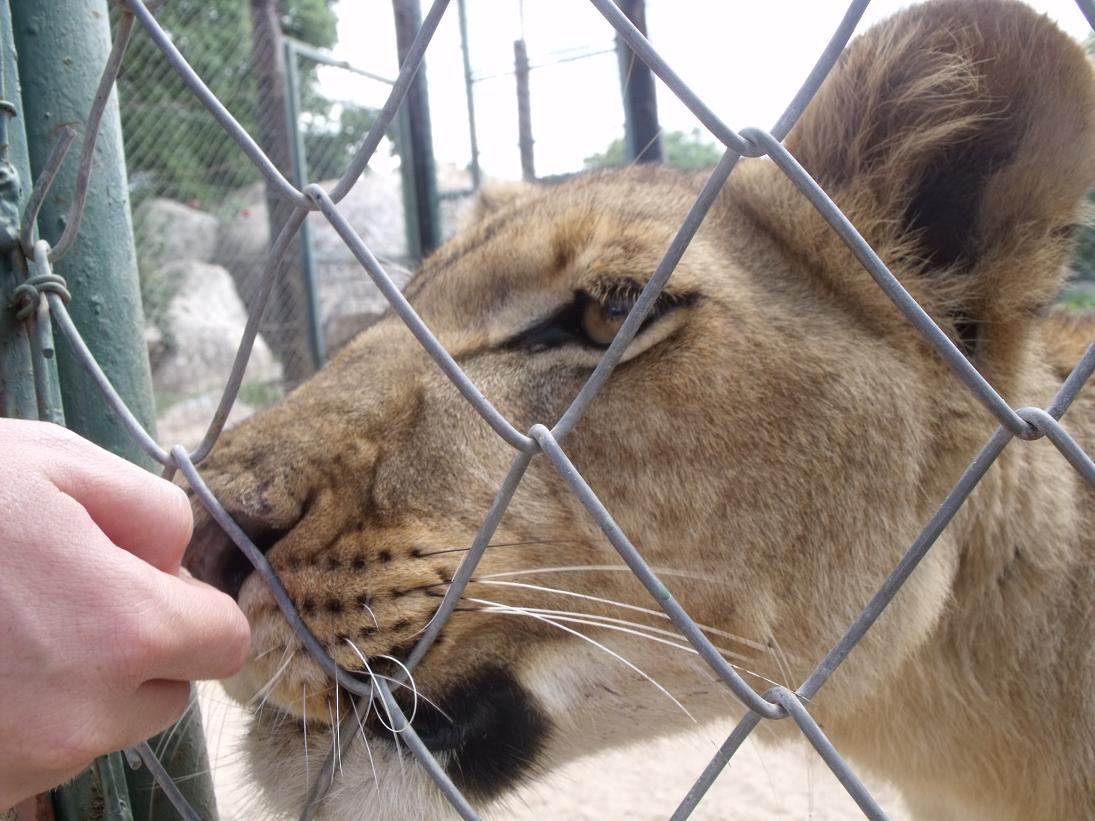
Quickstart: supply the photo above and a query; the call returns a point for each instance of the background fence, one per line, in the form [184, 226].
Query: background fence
[103, 298]
[204, 218]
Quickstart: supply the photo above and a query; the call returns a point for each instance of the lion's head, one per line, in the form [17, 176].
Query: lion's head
[773, 439]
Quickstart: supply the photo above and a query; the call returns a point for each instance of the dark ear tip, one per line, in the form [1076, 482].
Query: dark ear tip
[967, 118]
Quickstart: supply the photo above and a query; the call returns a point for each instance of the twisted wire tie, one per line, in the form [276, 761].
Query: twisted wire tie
[25, 296]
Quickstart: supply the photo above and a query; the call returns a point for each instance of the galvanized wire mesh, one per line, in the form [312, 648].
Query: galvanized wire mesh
[179, 159]
[44, 293]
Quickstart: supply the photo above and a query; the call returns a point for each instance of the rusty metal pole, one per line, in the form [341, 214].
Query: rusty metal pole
[524, 110]
[419, 170]
[642, 131]
[62, 47]
[469, 93]
[285, 324]
[17, 393]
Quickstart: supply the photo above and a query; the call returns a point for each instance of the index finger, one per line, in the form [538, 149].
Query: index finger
[137, 510]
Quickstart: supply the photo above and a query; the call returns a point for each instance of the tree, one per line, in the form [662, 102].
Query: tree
[174, 148]
[682, 149]
[330, 144]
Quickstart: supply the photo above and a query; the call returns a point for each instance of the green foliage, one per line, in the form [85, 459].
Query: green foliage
[309, 20]
[1078, 296]
[174, 148]
[260, 394]
[687, 150]
[329, 145]
[1083, 261]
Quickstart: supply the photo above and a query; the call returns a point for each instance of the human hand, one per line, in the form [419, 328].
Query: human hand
[99, 634]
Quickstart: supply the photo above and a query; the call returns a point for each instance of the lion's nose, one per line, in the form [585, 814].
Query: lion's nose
[214, 558]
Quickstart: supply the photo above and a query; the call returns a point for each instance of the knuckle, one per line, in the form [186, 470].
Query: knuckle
[61, 441]
[139, 644]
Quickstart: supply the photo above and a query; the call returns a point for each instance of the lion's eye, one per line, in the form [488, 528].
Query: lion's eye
[585, 321]
[593, 321]
[601, 320]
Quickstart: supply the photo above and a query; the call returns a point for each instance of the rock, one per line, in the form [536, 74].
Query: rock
[168, 231]
[202, 325]
[156, 345]
[242, 244]
[186, 422]
[347, 297]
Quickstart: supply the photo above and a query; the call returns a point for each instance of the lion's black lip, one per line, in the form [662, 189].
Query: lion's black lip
[487, 730]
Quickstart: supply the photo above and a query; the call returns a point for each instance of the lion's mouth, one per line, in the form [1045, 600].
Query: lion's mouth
[212, 557]
[486, 730]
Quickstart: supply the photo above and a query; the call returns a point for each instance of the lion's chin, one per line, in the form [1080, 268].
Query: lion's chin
[485, 729]
[370, 784]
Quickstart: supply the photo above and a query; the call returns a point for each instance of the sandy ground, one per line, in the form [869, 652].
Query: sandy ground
[640, 783]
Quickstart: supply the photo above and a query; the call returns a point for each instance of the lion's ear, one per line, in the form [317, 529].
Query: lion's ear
[959, 138]
[495, 196]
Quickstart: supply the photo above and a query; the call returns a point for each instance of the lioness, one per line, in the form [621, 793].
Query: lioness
[774, 439]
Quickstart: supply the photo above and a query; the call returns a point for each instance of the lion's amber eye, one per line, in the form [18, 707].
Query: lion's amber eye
[593, 321]
[601, 321]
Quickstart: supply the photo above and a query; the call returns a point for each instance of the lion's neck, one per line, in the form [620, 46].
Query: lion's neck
[1009, 648]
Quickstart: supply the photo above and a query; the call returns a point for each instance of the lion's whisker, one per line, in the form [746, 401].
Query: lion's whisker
[263, 692]
[388, 725]
[598, 568]
[493, 545]
[781, 659]
[365, 741]
[372, 615]
[408, 684]
[163, 748]
[508, 609]
[335, 725]
[304, 727]
[270, 650]
[756, 645]
[631, 626]
[414, 688]
[164, 744]
[642, 631]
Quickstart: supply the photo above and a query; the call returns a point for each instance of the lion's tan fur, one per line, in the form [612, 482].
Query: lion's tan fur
[774, 443]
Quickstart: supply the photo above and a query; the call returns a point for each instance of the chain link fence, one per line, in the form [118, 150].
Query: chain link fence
[203, 222]
[42, 299]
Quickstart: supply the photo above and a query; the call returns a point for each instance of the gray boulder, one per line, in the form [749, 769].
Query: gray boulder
[348, 300]
[201, 329]
[168, 231]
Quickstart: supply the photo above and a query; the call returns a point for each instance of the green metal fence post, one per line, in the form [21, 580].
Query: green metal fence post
[17, 394]
[416, 155]
[62, 46]
[299, 157]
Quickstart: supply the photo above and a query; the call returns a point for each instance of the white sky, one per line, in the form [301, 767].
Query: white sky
[744, 58]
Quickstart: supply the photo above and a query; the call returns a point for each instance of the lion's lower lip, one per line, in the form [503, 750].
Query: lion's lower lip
[488, 730]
